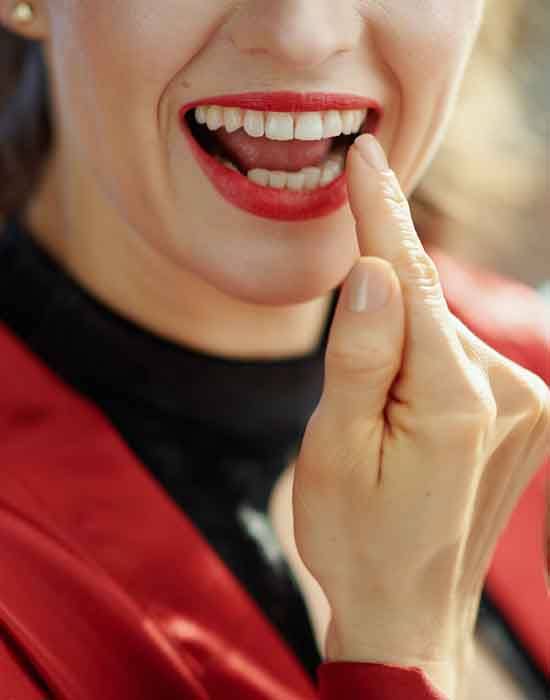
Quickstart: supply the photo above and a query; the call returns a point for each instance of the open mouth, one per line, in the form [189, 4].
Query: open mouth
[296, 151]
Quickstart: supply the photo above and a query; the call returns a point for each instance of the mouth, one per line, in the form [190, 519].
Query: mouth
[285, 144]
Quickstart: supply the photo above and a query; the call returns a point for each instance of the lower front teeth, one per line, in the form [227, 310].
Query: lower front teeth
[228, 164]
[306, 179]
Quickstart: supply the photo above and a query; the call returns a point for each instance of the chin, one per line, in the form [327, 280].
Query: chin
[282, 286]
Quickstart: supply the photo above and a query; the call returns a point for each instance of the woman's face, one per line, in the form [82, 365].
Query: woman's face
[122, 70]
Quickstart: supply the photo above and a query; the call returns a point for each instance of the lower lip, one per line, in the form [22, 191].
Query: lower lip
[267, 202]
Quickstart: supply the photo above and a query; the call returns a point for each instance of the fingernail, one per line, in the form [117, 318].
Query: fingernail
[372, 152]
[368, 288]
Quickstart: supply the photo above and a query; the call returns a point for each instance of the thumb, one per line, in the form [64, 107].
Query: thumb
[365, 345]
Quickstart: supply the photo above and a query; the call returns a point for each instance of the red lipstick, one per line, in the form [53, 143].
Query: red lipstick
[266, 202]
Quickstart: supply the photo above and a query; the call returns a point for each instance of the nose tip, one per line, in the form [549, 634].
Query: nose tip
[297, 34]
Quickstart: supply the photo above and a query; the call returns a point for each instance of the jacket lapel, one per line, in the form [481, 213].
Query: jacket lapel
[87, 535]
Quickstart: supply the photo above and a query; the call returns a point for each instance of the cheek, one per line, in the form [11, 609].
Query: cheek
[423, 46]
[119, 58]
[146, 42]
[115, 63]
[424, 40]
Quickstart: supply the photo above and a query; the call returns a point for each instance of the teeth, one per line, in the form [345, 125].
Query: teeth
[348, 122]
[230, 165]
[232, 118]
[277, 178]
[312, 177]
[332, 124]
[279, 126]
[254, 123]
[295, 181]
[309, 126]
[259, 176]
[331, 170]
[283, 126]
[200, 114]
[357, 122]
[214, 118]
[307, 179]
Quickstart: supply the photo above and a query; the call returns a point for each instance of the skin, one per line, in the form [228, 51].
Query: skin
[123, 203]
[125, 208]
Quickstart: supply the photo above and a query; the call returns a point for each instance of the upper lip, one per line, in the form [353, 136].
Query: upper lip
[289, 102]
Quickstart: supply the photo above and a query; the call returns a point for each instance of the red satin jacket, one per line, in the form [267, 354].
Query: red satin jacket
[99, 593]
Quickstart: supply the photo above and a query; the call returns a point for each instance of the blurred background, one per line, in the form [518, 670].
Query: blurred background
[531, 70]
[535, 76]
[493, 207]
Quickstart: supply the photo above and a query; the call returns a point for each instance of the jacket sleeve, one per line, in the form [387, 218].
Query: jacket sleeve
[370, 681]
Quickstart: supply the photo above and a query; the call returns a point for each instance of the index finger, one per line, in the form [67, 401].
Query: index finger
[385, 229]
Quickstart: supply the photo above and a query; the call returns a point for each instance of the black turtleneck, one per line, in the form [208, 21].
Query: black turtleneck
[215, 432]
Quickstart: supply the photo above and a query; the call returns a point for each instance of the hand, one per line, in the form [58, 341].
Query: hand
[421, 445]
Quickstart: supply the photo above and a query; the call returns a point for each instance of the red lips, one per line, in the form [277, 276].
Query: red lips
[267, 202]
[289, 102]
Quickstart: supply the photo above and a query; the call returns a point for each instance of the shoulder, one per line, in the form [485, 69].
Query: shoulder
[505, 313]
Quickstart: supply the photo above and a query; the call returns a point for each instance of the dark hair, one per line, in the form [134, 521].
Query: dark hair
[25, 123]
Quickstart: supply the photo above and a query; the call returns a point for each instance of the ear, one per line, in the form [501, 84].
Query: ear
[34, 29]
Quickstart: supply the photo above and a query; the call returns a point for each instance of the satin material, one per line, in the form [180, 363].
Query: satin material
[97, 564]
[374, 682]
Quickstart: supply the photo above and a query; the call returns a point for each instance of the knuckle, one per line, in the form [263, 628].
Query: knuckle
[393, 194]
[542, 397]
[542, 408]
[527, 400]
[488, 410]
[534, 395]
[417, 267]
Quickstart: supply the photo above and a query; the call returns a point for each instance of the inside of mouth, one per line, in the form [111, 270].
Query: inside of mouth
[213, 146]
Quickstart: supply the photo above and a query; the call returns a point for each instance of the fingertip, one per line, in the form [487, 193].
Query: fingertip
[372, 153]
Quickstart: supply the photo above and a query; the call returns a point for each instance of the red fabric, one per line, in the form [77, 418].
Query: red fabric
[98, 585]
[374, 682]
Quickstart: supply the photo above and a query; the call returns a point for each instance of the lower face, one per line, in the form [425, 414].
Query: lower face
[125, 74]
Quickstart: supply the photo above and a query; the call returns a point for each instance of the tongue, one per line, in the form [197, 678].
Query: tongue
[248, 152]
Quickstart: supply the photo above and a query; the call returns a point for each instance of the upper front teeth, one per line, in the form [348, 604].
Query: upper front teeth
[282, 126]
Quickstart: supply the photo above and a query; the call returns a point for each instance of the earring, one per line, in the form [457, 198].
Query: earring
[22, 12]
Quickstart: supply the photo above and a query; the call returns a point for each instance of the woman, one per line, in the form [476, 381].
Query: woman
[172, 285]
